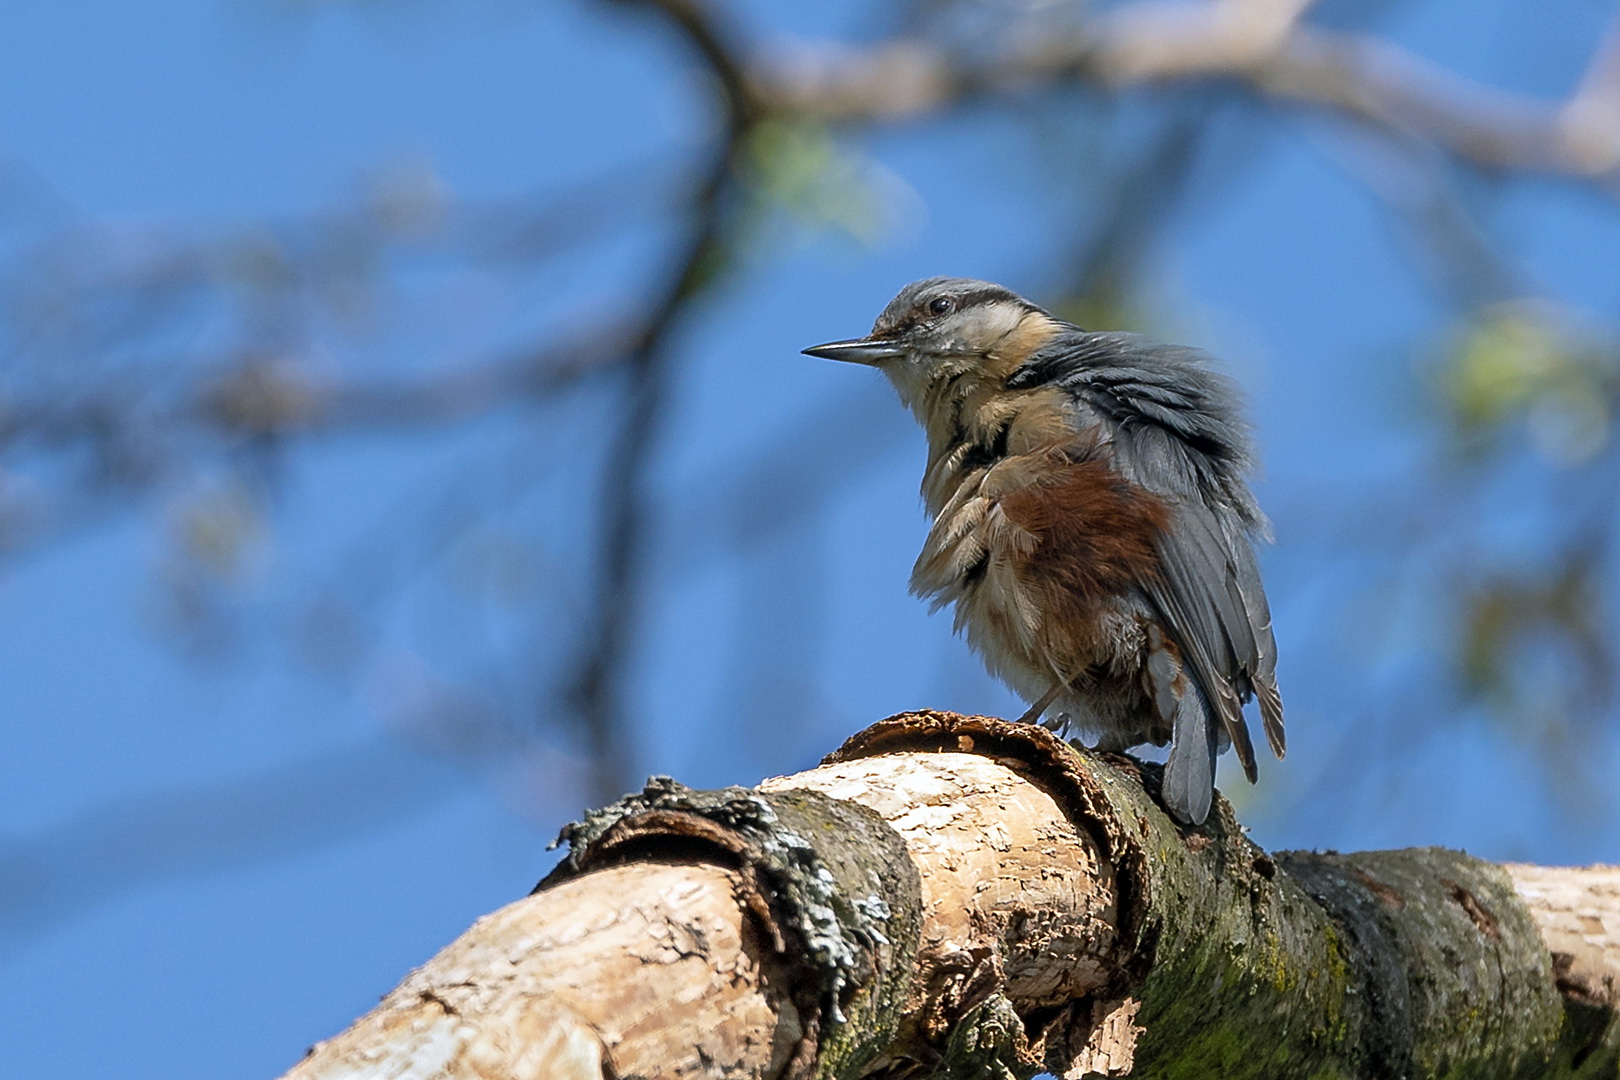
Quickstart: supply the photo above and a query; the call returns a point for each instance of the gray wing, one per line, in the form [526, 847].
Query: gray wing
[1211, 600]
[1177, 433]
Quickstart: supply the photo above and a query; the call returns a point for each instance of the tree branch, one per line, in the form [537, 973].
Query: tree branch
[955, 896]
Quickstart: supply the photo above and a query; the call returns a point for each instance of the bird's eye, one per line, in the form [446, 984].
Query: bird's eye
[941, 305]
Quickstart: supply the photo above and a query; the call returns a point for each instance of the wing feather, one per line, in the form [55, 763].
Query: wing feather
[1176, 432]
[1200, 612]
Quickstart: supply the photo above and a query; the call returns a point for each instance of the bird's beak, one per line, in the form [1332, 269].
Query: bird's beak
[857, 350]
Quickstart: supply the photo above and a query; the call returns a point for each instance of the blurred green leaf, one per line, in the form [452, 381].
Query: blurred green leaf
[1531, 362]
[1105, 308]
[1535, 646]
[798, 167]
[219, 531]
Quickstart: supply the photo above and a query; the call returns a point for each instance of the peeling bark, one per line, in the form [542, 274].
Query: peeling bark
[825, 878]
[952, 896]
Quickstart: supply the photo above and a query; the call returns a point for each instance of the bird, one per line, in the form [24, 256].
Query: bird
[1092, 524]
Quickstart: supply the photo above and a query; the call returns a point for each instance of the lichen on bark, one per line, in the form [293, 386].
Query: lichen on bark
[830, 883]
[1239, 972]
[1455, 979]
[1233, 963]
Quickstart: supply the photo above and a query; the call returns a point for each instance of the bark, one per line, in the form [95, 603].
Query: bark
[958, 896]
[634, 957]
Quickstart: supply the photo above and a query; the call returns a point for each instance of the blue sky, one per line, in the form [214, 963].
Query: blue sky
[348, 855]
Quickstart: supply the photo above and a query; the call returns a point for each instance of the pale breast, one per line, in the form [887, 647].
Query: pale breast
[968, 561]
[1035, 538]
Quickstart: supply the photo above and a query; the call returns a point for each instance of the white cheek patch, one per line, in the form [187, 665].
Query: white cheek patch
[980, 327]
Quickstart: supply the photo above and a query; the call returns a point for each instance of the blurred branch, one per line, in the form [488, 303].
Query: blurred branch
[137, 357]
[1111, 259]
[140, 840]
[598, 689]
[137, 438]
[1448, 241]
[1592, 116]
[264, 396]
[1258, 46]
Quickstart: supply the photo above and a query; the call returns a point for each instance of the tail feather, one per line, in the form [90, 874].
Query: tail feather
[1271, 714]
[1189, 774]
[1238, 729]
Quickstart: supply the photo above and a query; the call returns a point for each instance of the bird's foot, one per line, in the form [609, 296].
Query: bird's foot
[1045, 702]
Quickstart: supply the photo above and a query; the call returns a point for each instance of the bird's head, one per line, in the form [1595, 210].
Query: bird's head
[940, 328]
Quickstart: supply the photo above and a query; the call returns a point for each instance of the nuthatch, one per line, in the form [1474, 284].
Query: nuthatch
[1092, 522]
